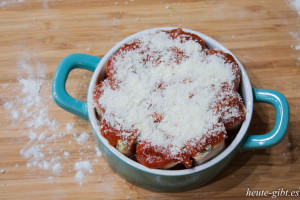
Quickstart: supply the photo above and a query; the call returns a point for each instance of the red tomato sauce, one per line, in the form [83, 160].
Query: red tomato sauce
[179, 55]
[232, 99]
[179, 33]
[113, 136]
[110, 67]
[228, 59]
[157, 157]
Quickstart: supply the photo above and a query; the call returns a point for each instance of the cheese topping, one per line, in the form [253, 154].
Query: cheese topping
[170, 78]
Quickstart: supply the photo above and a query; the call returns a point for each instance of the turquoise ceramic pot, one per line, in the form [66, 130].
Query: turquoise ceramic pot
[169, 180]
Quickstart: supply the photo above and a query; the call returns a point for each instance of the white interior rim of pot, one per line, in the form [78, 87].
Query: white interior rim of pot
[246, 94]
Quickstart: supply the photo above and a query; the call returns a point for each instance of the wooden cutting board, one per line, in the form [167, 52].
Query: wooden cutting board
[44, 152]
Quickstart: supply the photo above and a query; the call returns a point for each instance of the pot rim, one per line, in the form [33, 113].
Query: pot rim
[246, 93]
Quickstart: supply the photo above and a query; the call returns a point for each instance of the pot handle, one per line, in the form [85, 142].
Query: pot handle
[275, 136]
[59, 93]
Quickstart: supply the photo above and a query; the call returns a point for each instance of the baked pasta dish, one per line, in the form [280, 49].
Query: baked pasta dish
[168, 101]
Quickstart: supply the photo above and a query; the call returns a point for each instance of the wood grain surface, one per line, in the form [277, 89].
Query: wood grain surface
[36, 34]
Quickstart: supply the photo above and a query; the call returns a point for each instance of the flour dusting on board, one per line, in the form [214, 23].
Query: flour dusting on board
[296, 4]
[296, 36]
[45, 147]
[3, 3]
[10, 2]
[82, 168]
[83, 137]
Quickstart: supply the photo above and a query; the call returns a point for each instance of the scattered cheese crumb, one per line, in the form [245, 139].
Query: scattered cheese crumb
[67, 154]
[98, 152]
[4, 85]
[69, 127]
[79, 176]
[82, 168]
[82, 138]
[296, 5]
[14, 114]
[3, 3]
[8, 105]
[170, 8]
[56, 168]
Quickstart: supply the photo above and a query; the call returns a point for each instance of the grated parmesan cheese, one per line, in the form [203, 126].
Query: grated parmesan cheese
[138, 97]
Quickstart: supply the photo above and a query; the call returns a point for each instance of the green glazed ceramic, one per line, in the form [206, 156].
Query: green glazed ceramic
[169, 180]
